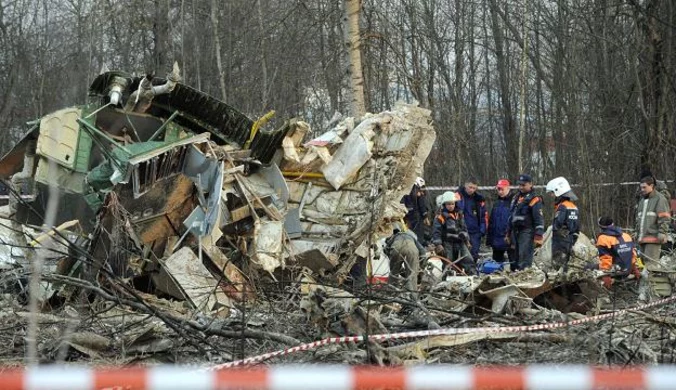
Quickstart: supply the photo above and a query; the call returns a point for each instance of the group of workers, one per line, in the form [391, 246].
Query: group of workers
[515, 227]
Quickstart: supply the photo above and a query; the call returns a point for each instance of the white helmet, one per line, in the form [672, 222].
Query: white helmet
[420, 182]
[448, 197]
[558, 186]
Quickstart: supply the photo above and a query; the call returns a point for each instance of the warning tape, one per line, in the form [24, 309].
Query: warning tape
[311, 377]
[431, 332]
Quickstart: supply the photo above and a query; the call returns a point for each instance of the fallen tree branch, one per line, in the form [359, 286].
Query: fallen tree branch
[172, 320]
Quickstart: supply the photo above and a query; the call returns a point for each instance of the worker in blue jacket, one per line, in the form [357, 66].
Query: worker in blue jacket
[473, 207]
[498, 223]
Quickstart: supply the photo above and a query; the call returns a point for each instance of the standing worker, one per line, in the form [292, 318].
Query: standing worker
[416, 204]
[652, 219]
[526, 223]
[616, 249]
[566, 225]
[473, 207]
[498, 223]
[449, 234]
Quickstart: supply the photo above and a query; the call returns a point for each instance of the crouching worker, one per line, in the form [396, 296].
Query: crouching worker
[616, 252]
[404, 252]
[449, 234]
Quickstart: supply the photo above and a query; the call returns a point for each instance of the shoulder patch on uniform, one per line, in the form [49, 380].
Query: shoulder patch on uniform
[534, 201]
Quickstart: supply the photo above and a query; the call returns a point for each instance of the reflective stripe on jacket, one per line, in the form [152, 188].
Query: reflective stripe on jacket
[448, 226]
[566, 219]
[652, 217]
[615, 247]
[526, 213]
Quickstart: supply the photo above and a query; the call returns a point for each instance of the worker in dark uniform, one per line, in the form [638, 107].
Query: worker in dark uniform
[498, 223]
[566, 224]
[417, 207]
[526, 224]
[617, 251]
[449, 234]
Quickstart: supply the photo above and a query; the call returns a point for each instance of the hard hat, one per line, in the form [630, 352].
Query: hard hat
[448, 197]
[420, 182]
[558, 186]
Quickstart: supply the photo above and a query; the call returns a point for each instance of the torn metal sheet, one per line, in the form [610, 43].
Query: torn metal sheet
[352, 154]
[331, 137]
[59, 134]
[196, 283]
[12, 245]
[292, 220]
[500, 296]
[268, 245]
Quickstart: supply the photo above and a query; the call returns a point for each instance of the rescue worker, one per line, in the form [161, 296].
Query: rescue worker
[498, 222]
[405, 253]
[449, 234]
[652, 219]
[616, 250]
[566, 224]
[473, 207]
[416, 204]
[526, 223]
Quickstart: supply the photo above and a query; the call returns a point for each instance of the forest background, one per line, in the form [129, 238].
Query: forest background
[580, 88]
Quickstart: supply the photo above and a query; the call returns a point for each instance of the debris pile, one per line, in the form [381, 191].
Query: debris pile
[178, 192]
[159, 211]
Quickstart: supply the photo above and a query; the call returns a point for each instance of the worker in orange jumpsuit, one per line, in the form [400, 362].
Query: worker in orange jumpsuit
[616, 250]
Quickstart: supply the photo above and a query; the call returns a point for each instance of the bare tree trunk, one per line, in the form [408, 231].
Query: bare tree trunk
[508, 122]
[196, 48]
[217, 43]
[352, 42]
[264, 60]
[161, 37]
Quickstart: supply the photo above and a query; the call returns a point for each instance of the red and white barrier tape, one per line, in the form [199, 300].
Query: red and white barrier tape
[341, 378]
[432, 332]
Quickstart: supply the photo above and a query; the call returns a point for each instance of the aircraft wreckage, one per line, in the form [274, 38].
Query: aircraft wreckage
[160, 182]
[183, 196]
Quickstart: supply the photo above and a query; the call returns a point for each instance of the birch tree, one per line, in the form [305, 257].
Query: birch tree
[352, 10]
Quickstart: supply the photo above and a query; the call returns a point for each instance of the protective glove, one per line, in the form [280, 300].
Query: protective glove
[636, 272]
[464, 236]
[439, 250]
[662, 238]
[538, 240]
[607, 281]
